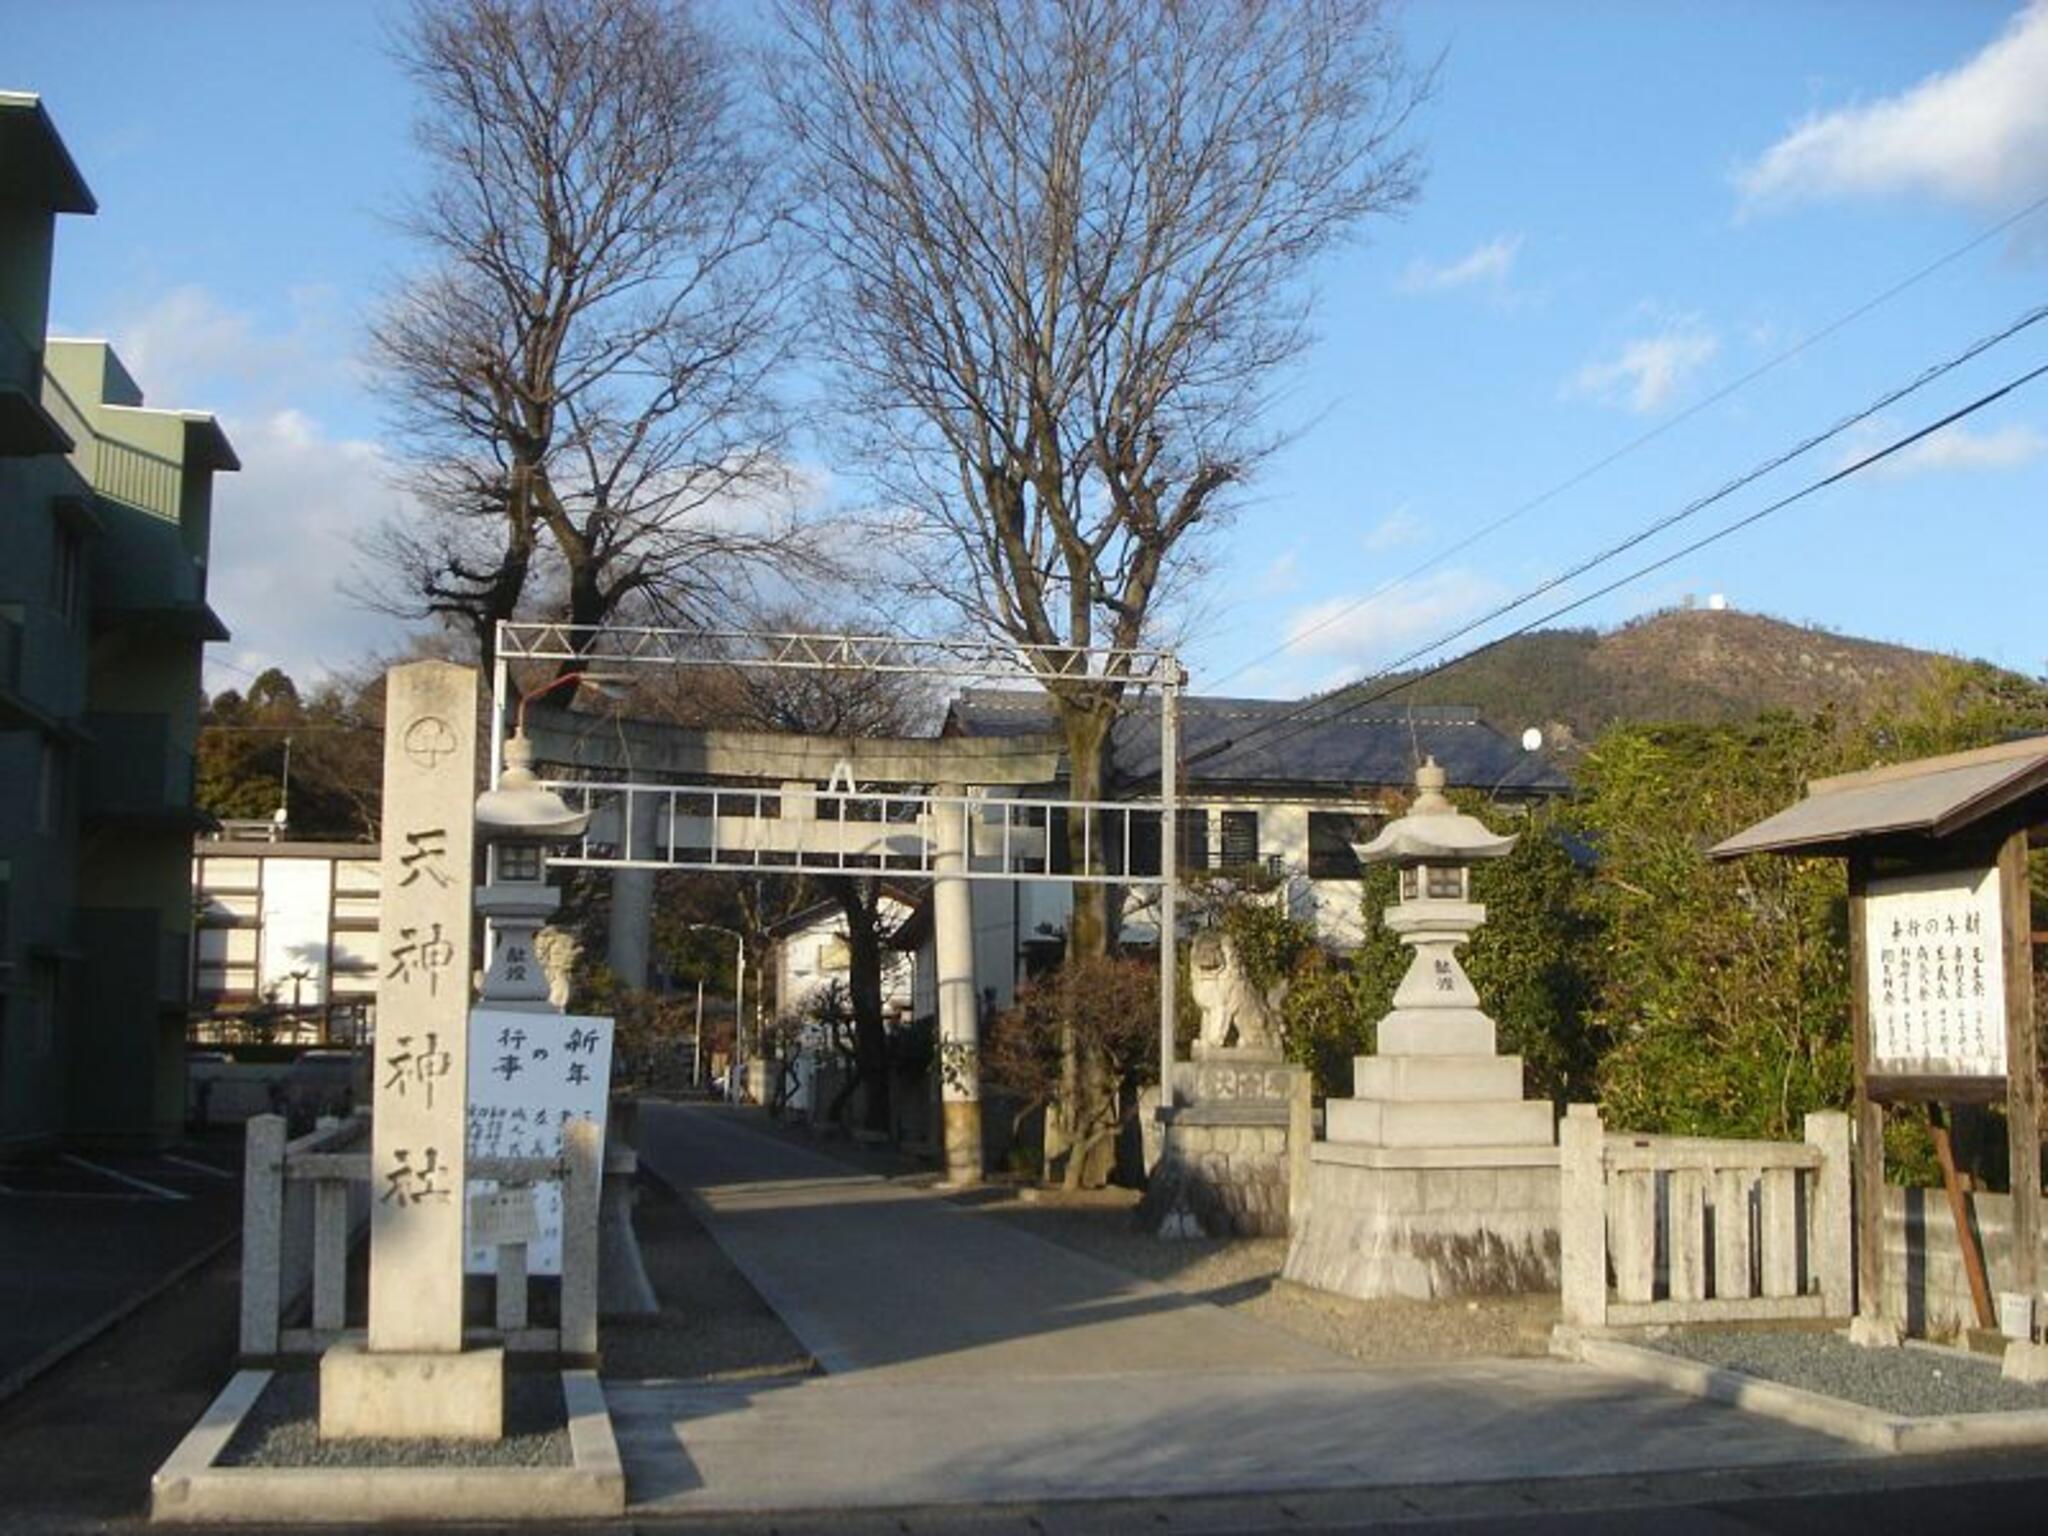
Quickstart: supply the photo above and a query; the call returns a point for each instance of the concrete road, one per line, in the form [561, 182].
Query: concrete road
[88, 1236]
[972, 1364]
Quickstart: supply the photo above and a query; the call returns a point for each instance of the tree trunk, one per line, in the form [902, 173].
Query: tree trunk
[1085, 1083]
[859, 901]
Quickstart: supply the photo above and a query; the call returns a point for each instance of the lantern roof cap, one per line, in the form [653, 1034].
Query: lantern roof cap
[1434, 830]
[521, 807]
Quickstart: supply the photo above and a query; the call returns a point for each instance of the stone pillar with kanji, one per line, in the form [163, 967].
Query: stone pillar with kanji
[413, 1378]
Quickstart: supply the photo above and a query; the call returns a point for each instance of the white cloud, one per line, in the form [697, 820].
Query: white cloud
[1490, 264]
[1975, 134]
[1648, 371]
[1958, 448]
[1281, 577]
[189, 351]
[287, 527]
[1397, 530]
[1373, 630]
[285, 534]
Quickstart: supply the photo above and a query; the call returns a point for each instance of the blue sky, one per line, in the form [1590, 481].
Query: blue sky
[1628, 207]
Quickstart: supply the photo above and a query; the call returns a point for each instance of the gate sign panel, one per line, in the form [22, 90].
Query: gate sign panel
[530, 1075]
[1935, 952]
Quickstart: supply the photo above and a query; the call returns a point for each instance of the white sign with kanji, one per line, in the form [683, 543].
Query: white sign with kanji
[531, 1074]
[1935, 951]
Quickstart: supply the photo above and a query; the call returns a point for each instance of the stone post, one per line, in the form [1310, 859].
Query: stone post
[1582, 1218]
[1832, 1229]
[262, 1233]
[414, 1378]
[959, 1059]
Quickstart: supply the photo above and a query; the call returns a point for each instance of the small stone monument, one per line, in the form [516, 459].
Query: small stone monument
[1232, 1144]
[1436, 1178]
[414, 1379]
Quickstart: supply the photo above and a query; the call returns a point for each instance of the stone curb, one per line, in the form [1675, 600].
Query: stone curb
[1891, 1433]
[189, 1488]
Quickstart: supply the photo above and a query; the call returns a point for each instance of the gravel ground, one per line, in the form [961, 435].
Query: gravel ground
[1244, 1274]
[283, 1430]
[1913, 1382]
[713, 1326]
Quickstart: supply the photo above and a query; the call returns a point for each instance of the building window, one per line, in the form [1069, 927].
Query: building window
[1330, 836]
[67, 567]
[1191, 853]
[1240, 839]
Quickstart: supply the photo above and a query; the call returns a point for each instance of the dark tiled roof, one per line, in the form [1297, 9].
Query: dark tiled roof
[1261, 742]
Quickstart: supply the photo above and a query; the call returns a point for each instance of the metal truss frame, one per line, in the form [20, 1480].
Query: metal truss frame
[973, 659]
[962, 660]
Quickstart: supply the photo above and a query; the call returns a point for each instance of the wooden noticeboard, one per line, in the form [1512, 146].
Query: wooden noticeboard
[1941, 1000]
[1941, 965]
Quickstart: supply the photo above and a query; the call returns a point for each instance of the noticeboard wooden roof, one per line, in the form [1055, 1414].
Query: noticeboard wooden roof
[1932, 797]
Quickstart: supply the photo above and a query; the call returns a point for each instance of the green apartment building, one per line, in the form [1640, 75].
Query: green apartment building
[105, 513]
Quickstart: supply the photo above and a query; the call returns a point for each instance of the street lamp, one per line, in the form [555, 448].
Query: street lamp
[739, 994]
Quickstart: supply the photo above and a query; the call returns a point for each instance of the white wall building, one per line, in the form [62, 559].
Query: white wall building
[291, 924]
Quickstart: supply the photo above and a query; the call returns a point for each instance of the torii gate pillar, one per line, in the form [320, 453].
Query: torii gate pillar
[632, 917]
[959, 1007]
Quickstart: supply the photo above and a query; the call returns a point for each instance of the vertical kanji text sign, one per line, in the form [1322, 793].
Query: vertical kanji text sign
[1934, 948]
[422, 1048]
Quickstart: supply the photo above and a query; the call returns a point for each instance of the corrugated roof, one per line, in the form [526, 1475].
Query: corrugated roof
[1260, 742]
[1934, 797]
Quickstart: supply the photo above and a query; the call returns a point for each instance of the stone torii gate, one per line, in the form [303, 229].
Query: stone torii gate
[665, 797]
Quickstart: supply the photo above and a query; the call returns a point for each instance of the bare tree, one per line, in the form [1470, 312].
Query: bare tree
[1067, 245]
[581, 373]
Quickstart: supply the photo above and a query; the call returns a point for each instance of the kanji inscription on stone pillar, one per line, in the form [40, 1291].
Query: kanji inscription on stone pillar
[421, 1069]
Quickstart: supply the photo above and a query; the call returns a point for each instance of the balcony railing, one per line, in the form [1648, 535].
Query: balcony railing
[138, 478]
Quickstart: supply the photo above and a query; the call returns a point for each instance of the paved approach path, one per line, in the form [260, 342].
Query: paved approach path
[968, 1362]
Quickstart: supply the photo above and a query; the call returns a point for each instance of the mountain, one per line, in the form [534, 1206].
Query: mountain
[1694, 664]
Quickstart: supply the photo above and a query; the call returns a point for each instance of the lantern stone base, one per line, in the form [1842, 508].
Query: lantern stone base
[411, 1394]
[1427, 1223]
[1229, 1157]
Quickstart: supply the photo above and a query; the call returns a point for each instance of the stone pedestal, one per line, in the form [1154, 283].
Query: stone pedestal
[1437, 1178]
[1228, 1155]
[1428, 1222]
[394, 1394]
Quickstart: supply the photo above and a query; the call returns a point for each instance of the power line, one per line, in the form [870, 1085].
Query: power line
[1302, 722]
[1889, 398]
[1572, 482]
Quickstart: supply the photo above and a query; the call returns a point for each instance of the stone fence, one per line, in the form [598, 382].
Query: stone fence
[303, 1203]
[1700, 1230]
[1924, 1283]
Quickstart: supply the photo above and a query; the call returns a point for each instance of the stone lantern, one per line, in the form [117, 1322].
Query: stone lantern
[1434, 846]
[518, 820]
[1436, 1177]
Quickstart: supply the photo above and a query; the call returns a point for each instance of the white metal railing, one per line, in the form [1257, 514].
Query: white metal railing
[1693, 1229]
[304, 1202]
[721, 827]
